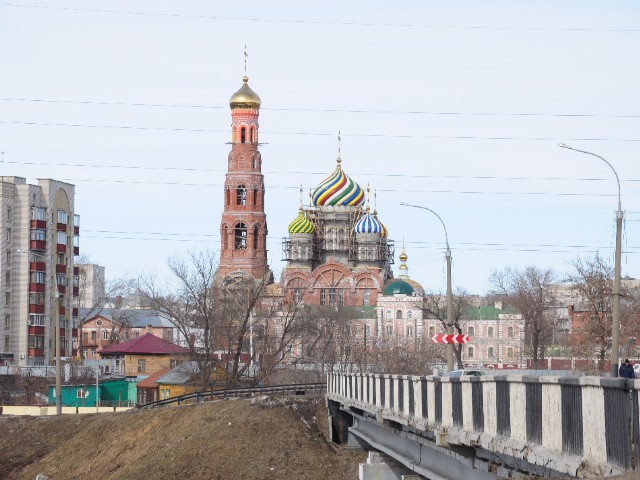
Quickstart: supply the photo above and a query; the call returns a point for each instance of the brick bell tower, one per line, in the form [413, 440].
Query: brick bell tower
[243, 228]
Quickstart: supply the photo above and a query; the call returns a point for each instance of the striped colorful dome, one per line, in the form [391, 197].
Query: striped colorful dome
[301, 224]
[368, 224]
[384, 232]
[338, 190]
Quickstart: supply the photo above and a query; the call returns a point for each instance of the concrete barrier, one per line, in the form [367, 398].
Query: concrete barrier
[37, 411]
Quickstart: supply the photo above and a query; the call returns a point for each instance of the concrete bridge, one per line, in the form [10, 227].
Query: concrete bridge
[487, 427]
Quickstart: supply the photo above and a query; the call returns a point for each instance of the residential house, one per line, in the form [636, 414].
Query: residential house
[142, 356]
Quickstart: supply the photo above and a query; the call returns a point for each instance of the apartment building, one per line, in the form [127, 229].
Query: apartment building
[39, 280]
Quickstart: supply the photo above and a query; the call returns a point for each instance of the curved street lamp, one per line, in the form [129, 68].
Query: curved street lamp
[449, 292]
[615, 328]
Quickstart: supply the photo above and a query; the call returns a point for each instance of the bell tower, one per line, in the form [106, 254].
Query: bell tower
[243, 229]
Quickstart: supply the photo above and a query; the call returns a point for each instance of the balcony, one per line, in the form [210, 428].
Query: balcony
[61, 248]
[74, 332]
[37, 266]
[76, 271]
[38, 245]
[36, 287]
[76, 251]
[36, 308]
[63, 332]
[62, 289]
[62, 310]
[62, 227]
[33, 330]
[74, 312]
[76, 230]
[61, 268]
[36, 352]
[39, 224]
[76, 291]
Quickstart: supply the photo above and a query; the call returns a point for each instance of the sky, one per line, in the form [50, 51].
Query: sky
[456, 106]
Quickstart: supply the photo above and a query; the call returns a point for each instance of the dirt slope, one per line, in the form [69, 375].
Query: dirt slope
[227, 439]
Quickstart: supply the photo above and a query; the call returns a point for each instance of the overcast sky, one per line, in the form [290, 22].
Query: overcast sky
[458, 106]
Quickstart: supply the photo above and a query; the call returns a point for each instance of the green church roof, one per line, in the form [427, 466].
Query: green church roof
[398, 287]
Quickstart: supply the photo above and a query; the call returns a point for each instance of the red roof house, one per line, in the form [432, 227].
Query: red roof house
[144, 355]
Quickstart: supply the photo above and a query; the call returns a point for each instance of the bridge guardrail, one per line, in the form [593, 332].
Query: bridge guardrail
[291, 389]
[573, 425]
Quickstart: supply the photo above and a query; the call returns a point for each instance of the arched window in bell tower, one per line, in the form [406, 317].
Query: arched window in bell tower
[241, 195]
[243, 134]
[240, 236]
[256, 233]
[225, 237]
[252, 135]
[255, 196]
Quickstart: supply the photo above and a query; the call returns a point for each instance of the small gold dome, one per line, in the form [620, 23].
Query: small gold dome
[245, 97]
[403, 256]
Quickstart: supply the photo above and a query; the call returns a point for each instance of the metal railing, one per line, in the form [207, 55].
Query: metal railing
[283, 390]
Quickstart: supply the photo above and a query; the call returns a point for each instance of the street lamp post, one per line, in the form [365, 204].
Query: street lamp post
[615, 328]
[57, 339]
[449, 291]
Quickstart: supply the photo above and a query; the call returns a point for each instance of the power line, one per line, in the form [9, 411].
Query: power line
[324, 22]
[300, 172]
[330, 110]
[77, 181]
[332, 134]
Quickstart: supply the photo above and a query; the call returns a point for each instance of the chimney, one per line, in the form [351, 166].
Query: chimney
[149, 328]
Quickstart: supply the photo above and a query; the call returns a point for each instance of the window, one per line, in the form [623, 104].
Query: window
[470, 352]
[7, 321]
[35, 341]
[82, 393]
[38, 213]
[105, 334]
[367, 330]
[297, 294]
[510, 332]
[490, 332]
[93, 336]
[7, 341]
[76, 240]
[255, 191]
[63, 238]
[164, 393]
[388, 314]
[7, 278]
[36, 320]
[85, 352]
[367, 297]
[8, 234]
[241, 195]
[332, 296]
[509, 353]
[389, 330]
[243, 134]
[173, 363]
[9, 213]
[471, 331]
[432, 330]
[7, 299]
[256, 233]
[63, 217]
[76, 220]
[141, 365]
[398, 314]
[409, 331]
[410, 314]
[38, 234]
[38, 277]
[490, 352]
[241, 236]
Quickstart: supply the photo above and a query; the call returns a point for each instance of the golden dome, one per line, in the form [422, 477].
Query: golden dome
[245, 97]
[403, 256]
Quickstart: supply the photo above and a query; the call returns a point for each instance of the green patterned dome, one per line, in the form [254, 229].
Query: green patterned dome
[301, 224]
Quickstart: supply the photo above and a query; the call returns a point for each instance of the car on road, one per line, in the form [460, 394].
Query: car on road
[467, 372]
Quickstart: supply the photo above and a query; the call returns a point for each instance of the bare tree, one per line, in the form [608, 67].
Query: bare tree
[592, 280]
[436, 307]
[530, 291]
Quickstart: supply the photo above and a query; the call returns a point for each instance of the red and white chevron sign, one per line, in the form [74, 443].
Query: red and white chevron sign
[444, 338]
